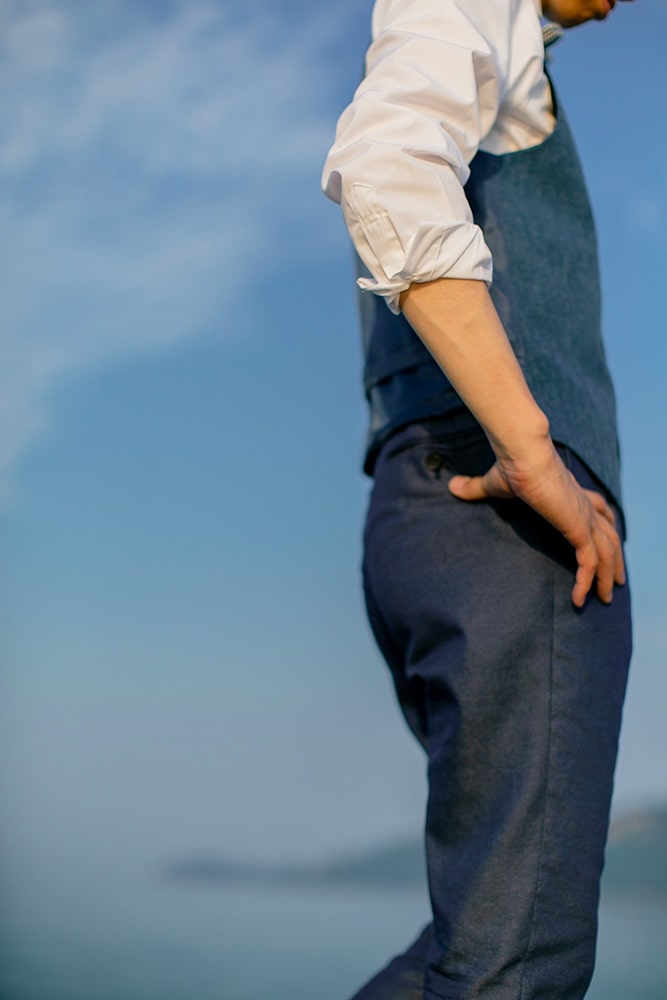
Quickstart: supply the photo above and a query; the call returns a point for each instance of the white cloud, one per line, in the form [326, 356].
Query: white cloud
[148, 163]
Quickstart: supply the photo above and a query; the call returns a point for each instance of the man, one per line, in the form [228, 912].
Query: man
[493, 567]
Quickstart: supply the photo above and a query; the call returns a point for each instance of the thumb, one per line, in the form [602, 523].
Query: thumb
[491, 484]
[468, 487]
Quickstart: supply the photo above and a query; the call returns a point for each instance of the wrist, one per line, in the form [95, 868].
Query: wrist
[522, 439]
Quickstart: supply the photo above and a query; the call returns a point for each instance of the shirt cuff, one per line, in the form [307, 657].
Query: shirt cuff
[455, 251]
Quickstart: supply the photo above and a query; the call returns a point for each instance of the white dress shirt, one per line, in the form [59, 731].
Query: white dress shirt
[442, 81]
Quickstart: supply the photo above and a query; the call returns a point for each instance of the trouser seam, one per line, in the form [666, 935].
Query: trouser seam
[547, 783]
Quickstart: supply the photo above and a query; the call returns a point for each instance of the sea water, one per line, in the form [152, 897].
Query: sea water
[124, 934]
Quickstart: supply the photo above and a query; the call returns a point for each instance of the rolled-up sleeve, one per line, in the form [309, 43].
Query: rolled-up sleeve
[432, 91]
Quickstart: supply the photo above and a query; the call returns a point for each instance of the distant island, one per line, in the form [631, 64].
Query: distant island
[636, 864]
[637, 854]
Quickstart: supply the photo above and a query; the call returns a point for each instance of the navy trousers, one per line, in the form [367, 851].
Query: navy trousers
[516, 697]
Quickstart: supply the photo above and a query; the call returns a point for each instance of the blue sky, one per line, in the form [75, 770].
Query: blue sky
[185, 659]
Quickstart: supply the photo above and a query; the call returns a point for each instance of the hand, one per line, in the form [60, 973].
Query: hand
[582, 516]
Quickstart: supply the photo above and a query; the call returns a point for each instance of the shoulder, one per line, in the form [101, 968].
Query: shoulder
[492, 20]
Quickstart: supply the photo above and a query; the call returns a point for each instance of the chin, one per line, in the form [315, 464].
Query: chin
[570, 13]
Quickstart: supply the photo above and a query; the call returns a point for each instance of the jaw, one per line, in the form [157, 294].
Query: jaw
[570, 13]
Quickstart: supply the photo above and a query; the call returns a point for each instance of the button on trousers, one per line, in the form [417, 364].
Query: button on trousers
[516, 697]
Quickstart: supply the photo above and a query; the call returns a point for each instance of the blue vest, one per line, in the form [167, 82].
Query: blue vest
[534, 211]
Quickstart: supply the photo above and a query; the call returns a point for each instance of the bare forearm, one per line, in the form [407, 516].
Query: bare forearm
[457, 321]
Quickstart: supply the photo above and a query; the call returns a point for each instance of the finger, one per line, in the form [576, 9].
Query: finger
[587, 565]
[491, 484]
[599, 503]
[619, 561]
[620, 577]
[606, 567]
[468, 487]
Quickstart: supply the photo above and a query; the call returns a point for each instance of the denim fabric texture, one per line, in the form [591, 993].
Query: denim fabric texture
[516, 697]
